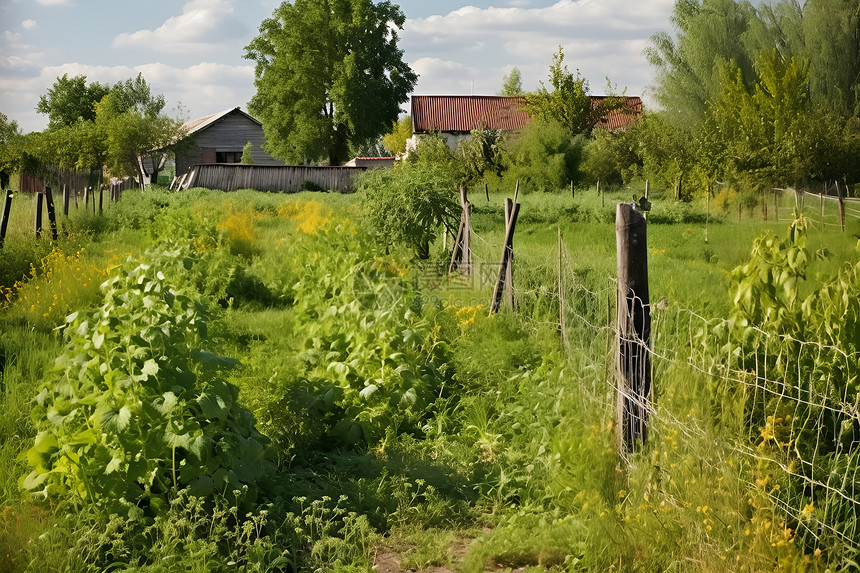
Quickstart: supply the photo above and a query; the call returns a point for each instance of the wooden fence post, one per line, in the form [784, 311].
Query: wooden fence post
[52, 214]
[37, 223]
[572, 192]
[487, 192]
[633, 314]
[562, 321]
[4, 222]
[461, 253]
[512, 210]
[775, 206]
[66, 200]
[841, 206]
[707, 212]
[821, 197]
[101, 198]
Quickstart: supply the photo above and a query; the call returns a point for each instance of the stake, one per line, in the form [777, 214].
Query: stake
[66, 200]
[37, 224]
[52, 215]
[4, 222]
[562, 323]
[634, 329]
[841, 206]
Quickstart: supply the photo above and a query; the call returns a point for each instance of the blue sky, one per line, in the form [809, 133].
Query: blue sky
[192, 51]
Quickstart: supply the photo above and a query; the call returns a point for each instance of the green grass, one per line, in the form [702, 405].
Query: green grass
[514, 465]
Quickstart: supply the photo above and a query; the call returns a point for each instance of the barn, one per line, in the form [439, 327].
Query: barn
[220, 138]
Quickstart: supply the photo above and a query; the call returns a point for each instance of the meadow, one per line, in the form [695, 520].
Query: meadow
[207, 381]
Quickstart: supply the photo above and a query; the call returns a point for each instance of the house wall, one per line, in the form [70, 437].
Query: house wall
[452, 139]
[230, 133]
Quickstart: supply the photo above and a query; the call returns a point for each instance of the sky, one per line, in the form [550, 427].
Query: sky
[192, 51]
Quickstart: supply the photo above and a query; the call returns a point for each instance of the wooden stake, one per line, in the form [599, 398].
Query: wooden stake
[487, 192]
[37, 223]
[707, 211]
[66, 200]
[775, 206]
[4, 222]
[52, 215]
[634, 329]
[841, 206]
[562, 322]
[512, 210]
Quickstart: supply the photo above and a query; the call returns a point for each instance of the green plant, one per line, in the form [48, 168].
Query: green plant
[408, 204]
[135, 410]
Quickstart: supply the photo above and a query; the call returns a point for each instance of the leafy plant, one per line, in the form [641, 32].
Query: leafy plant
[408, 204]
[135, 410]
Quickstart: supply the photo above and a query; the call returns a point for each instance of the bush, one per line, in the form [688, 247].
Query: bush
[406, 205]
[135, 411]
[544, 157]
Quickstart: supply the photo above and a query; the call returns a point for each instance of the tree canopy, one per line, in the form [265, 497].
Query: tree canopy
[568, 102]
[70, 100]
[328, 73]
[512, 83]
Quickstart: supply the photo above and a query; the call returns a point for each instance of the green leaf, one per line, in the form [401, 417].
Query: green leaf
[211, 361]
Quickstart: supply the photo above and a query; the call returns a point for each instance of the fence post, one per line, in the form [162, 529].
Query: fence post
[66, 200]
[4, 223]
[52, 214]
[512, 210]
[821, 197]
[572, 192]
[775, 206]
[101, 198]
[37, 224]
[841, 206]
[633, 314]
[562, 321]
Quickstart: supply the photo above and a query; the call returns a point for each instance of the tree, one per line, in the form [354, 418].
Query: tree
[568, 103]
[137, 142]
[395, 140]
[544, 156]
[71, 100]
[831, 31]
[135, 95]
[247, 158]
[709, 32]
[10, 155]
[512, 83]
[327, 73]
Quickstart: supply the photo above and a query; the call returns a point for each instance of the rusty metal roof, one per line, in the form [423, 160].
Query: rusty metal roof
[619, 118]
[465, 113]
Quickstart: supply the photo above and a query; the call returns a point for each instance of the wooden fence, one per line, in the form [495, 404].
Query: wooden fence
[287, 178]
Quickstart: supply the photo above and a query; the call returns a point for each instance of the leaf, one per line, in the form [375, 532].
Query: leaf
[368, 391]
[211, 361]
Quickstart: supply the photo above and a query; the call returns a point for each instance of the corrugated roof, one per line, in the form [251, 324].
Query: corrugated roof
[465, 113]
[619, 118]
[202, 123]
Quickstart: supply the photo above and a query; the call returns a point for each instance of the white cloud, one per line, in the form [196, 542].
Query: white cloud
[28, 24]
[203, 26]
[54, 2]
[202, 89]
[599, 37]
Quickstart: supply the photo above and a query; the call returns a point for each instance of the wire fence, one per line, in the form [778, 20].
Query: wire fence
[790, 405]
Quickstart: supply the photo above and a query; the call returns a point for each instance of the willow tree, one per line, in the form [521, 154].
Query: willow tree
[328, 74]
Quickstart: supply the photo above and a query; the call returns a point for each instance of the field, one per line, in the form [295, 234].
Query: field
[252, 381]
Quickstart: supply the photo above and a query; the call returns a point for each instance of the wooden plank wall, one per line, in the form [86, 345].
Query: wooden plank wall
[289, 179]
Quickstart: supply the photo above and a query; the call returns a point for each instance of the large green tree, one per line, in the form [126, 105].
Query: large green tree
[70, 100]
[328, 73]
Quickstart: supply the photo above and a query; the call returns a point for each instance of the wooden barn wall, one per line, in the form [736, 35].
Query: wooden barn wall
[289, 178]
[230, 133]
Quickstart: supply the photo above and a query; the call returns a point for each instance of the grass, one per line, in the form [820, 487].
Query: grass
[514, 466]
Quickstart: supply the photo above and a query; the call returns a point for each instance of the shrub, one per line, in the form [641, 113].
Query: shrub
[135, 411]
[407, 205]
[544, 157]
